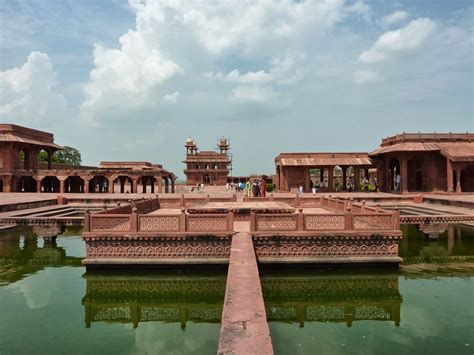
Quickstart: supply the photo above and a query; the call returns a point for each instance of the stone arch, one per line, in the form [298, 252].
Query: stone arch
[24, 159]
[74, 184]
[99, 184]
[26, 184]
[147, 184]
[125, 183]
[49, 157]
[467, 179]
[166, 183]
[393, 171]
[50, 184]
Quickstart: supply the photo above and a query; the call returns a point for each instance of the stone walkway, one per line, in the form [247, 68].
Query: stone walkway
[244, 327]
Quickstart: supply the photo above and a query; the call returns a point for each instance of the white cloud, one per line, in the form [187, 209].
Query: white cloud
[28, 93]
[126, 76]
[366, 76]
[253, 93]
[222, 25]
[180, 38]
[395, 17]
[407, 38]
[172, 98]
[362, 9]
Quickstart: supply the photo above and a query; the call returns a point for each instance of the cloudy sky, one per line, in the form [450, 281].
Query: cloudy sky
[132, 80]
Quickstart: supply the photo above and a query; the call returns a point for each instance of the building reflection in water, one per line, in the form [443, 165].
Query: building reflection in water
[151, 296]
[346, 298]
[20, 254]
[154, 296]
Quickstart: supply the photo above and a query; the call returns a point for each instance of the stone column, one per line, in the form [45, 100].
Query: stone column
[86, 185]
[134, 185]
[321, 176]
[160, 184]
[404, 174]
[283, 183]
[62, 180]
[38, 184]
[172, 185]
[449, 174]
[50, 158]
[458, 180]
[356, 178]
[331, 178]
[307, 180]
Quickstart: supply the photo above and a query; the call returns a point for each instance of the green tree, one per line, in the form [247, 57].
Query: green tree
[68, 155]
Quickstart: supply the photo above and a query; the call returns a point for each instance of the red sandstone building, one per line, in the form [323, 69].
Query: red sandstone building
[426, 162]
[325, 171]
[20, 170]
[207, 167]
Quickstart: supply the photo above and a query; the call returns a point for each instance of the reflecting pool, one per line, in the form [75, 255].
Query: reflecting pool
[49, 303]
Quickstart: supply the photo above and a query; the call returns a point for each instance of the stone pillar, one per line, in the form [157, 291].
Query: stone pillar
[160, 184]
[331, 178]
[38, 184]
[449, 174]
[167, 184]
[86, 185]
[307, 181]
[62, 180]
[356, 178]
[404, 174]
[50, 158]
[134, 185]
[283, 182]
[172, 185]
[458, 180]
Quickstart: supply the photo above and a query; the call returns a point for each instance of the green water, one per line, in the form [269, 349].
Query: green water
[49, 304]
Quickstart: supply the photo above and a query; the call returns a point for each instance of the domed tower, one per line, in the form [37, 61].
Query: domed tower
[223, 145]
[210, 167]
[191, 146]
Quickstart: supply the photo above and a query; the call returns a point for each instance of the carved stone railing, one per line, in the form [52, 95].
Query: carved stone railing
[109, 223]
[347, 221]
[165, 223]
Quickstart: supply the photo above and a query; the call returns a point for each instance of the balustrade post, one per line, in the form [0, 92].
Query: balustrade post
[230, 221]
[297, 201]
[183, 203]
[87, 221]
[134, 220]
[346, 205]
[182, 220]
[348, 221]
[396, 220]
[321, 200]
[362, 206]
[300, 220]
[253, 222]
[208, 198]
[234, 198]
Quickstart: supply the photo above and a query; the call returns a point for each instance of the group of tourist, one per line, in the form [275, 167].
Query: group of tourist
[257, 188]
